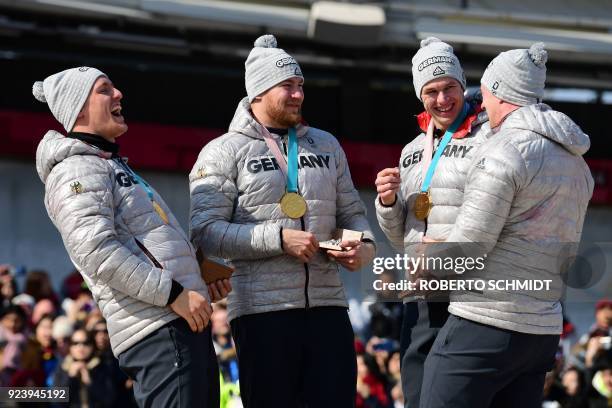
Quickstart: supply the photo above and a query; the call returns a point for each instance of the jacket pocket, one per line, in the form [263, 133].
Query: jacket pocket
[148, 254]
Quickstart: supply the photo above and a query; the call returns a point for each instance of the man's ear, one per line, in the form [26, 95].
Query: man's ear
[81, 118]
[81, 114]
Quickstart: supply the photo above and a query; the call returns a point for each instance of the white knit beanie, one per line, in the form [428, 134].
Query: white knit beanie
[66, 92]
[435, 59]
[267, 66]
[518, 76]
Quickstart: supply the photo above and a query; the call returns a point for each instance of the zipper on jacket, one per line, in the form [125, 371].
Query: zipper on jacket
[303, 225]
[148, 254]
[307, 304]
[123, 165]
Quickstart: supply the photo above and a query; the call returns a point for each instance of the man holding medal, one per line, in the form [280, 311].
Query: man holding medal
[526, 196]
[130, 249]
[423, 196]
[263, 196]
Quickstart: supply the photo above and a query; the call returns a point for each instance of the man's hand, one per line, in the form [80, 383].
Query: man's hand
[358, 254]
[300, 244]
[387, 184]
[219, 290]
[194, 308]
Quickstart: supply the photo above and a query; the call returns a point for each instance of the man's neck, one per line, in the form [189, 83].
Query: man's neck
[261, 116]
[86, 129]
[278, 131]
[504, 113]
[95, 140]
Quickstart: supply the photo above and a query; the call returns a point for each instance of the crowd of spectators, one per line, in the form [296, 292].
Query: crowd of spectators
[47, 340]
[582, 377]
[50, 339]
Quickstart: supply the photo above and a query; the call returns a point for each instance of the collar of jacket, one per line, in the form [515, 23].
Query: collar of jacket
[244, 122]
[424, 118]
[96, 140]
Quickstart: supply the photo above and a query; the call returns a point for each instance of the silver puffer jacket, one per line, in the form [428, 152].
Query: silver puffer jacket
[115, 238]
[525, 201]
[398, 221]
[235, 190]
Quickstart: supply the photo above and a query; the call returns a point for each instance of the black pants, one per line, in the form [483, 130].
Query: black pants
[472, 365]
[421, 323]
[173, 367]
[296, 358]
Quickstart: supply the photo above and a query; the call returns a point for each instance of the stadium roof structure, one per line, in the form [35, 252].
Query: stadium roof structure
[577, 32]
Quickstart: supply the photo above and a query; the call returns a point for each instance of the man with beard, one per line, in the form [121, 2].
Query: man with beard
[263, 196]
[129, 247]
[452, 129]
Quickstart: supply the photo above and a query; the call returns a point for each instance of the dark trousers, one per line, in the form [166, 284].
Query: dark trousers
[472, 365]
[173, 367]
[296, 358]
[421, 323]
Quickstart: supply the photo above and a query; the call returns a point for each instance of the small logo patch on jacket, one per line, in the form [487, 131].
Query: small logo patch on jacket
[481, 164]
[76, 187]
[201, 173]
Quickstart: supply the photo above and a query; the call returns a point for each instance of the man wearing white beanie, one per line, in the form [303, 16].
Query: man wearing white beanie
[526, 196]
[264, 195]
[454, 134]
[130, 249]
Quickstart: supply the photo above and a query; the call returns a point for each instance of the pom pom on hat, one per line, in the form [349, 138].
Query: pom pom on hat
[266, 41]
[538, 54]
[38, 91]
[429, 40]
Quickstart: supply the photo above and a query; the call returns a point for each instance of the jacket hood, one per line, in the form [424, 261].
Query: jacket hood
[556, 126]
[55, 147]
[244, 123]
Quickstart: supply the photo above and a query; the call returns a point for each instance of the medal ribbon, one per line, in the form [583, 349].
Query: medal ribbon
[292, 165]
[289, 167]
[140, 180]
[160, 211]
[445, 140]
[428, 149]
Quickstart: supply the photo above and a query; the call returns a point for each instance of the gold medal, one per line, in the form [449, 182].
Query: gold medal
[293, 205]
[422, 205]
[160, 212]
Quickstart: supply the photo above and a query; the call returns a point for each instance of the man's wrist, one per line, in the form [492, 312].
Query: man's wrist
[390, 204]
[369, 241]
[175, 291]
